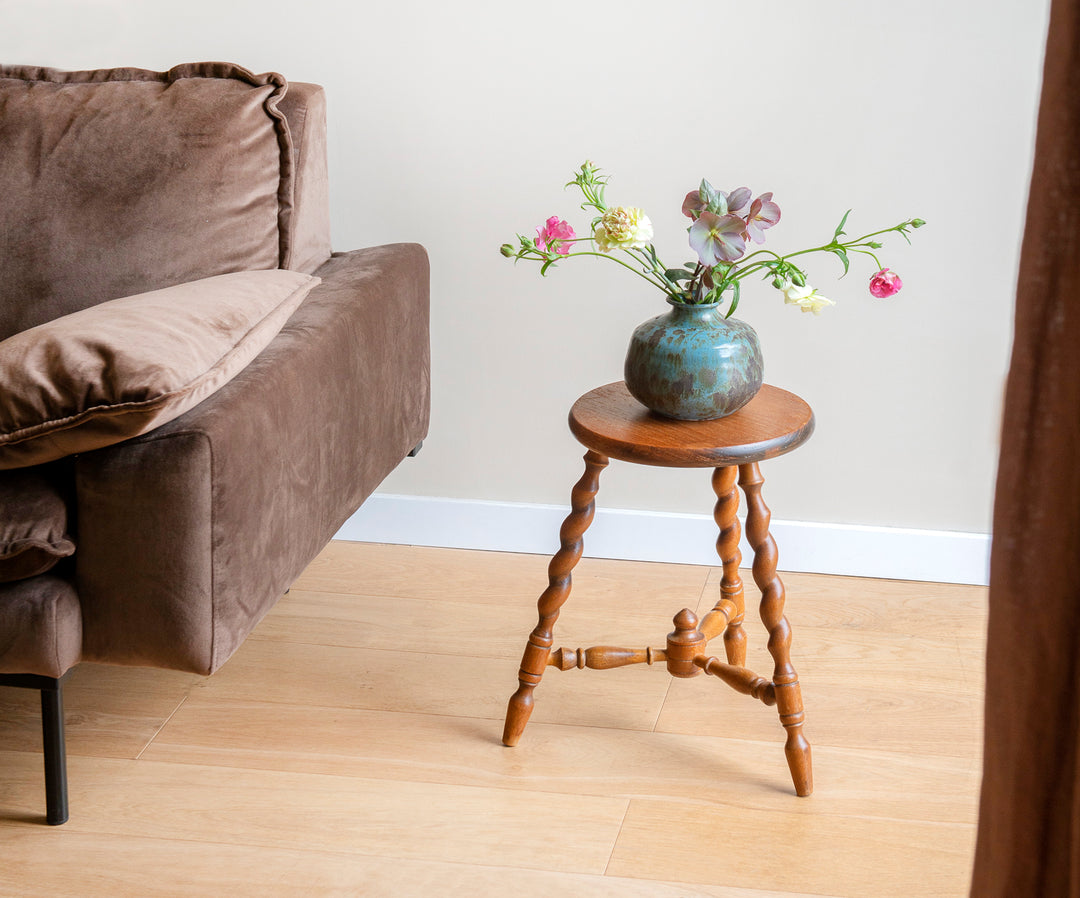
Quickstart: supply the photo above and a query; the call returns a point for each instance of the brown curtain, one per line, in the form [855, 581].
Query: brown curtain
[1029, 820]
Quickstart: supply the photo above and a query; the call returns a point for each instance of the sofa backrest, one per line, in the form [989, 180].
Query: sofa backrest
[304, 106]
[120, 181]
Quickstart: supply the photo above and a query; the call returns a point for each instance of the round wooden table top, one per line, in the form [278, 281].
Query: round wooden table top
[610, 421]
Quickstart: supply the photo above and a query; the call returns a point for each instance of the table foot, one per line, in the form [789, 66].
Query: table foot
[796, 748]
[518, 713]
[538, 649]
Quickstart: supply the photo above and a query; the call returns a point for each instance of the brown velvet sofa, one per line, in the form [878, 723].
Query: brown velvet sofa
[152, 524]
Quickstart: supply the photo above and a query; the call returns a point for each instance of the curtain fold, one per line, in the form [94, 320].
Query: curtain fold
[1029, 818]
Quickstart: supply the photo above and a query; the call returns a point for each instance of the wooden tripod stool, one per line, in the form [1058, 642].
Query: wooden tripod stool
[610, 423]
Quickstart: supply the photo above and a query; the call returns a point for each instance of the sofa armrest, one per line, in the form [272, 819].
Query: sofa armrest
[189, 534]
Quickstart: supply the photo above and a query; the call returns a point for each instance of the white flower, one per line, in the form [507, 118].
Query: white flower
[806, 298]
[623, 228]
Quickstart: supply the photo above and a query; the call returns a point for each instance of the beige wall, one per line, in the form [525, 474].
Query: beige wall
[456, 124]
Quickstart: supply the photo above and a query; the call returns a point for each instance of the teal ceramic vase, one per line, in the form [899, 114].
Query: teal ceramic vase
[693, 364]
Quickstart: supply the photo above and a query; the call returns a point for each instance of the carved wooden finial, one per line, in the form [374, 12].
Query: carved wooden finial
[683, 644]
[685, 620]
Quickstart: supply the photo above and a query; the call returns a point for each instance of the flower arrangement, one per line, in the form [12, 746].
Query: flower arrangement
[723, 226]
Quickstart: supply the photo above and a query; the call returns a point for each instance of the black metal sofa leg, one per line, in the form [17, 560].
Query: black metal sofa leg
[52, 738]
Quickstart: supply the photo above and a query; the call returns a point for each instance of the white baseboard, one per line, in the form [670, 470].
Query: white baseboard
[886, 552]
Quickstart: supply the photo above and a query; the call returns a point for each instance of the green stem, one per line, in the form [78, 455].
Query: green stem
[655, 266]
[695, 280]
[593, 197]
[846, 245]
[618, 261]
[867, 252]
[740, 273]
[760, 252]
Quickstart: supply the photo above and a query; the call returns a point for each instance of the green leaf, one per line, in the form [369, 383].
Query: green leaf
[840, 227]
[677, 274]
[843, 257]
[712, 199]
[734, 301]
[547, 265]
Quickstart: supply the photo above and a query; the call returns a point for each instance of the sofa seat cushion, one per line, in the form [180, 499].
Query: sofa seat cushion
[40, 626]
[121, 181]
[33, 525]
[120, 368]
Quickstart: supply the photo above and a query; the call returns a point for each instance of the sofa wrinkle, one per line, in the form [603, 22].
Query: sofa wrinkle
[54, 627]
[214, 607]
[23, 544]
[286, 184]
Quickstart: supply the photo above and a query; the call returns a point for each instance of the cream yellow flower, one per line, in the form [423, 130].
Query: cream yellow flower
[806, 298]
[623, 227]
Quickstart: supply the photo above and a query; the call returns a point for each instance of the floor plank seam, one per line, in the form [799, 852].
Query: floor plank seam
[157, 732]
[743, 803]
[663, 704]
[618, 833]
[496, 722]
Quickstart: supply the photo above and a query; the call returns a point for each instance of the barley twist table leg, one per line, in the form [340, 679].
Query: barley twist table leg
[786, 681]
[727, 547]
[551, 600]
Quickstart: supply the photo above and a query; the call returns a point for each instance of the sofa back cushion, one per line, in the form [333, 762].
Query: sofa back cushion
[121, 181]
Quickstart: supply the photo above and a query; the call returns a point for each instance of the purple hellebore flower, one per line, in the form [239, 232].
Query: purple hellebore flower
[693, 204]
[717, 238]
[764, 213]
[737, 199]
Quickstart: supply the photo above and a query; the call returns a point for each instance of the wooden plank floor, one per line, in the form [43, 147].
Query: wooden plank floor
[351, 747]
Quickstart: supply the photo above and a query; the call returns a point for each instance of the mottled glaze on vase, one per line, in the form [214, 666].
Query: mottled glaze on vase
[693, 364]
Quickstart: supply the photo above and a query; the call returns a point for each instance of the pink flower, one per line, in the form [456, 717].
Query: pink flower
[764, 213]
[553, 236]
[885, 283]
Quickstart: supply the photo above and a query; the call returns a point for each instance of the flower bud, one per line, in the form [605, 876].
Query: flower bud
[798, 278]
[507, 250]
[918, 223]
